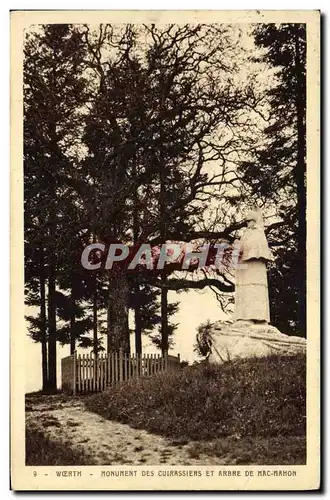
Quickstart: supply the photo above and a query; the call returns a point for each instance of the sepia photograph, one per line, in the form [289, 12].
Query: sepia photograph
[164, 212]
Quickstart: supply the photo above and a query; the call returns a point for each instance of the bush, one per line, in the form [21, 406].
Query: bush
[254, 397]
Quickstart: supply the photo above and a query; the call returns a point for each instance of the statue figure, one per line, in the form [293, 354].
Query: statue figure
[250, 335]
[251, 288]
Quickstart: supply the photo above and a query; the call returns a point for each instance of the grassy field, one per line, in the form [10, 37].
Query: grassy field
[256, 405]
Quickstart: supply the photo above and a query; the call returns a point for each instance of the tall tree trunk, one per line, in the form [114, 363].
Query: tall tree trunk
[52, 365]
[118, 329]
[164, 291]
[136, 286]
[95, 317]
[163, 230]
[164, 317]
[73, 317]
[300, 172]
[43, 318]
[138, 320]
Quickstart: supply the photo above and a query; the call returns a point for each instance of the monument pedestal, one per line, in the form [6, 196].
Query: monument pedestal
[245, 340]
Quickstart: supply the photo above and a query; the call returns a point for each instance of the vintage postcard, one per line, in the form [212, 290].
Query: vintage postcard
[165, 196]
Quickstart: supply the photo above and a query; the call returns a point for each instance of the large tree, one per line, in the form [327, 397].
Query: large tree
[162, 137]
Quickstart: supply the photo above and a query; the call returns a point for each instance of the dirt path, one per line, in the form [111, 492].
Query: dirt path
[108, 442]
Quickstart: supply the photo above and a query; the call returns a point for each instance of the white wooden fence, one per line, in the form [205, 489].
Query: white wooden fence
[86, 373]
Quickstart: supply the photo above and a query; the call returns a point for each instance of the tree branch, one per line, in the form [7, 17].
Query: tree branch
[200, 284]
[195, 235]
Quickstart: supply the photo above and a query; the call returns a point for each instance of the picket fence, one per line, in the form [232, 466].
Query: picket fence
[87, 373]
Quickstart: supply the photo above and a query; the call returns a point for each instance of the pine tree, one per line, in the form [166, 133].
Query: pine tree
[54, 93]
[278, 170]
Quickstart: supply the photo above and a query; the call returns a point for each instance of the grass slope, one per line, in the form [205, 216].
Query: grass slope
[259, 398]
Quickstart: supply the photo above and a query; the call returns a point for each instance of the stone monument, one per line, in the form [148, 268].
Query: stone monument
[250, 334]
[251, 288]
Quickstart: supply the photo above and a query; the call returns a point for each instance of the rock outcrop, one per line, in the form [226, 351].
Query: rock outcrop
[231, 340]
